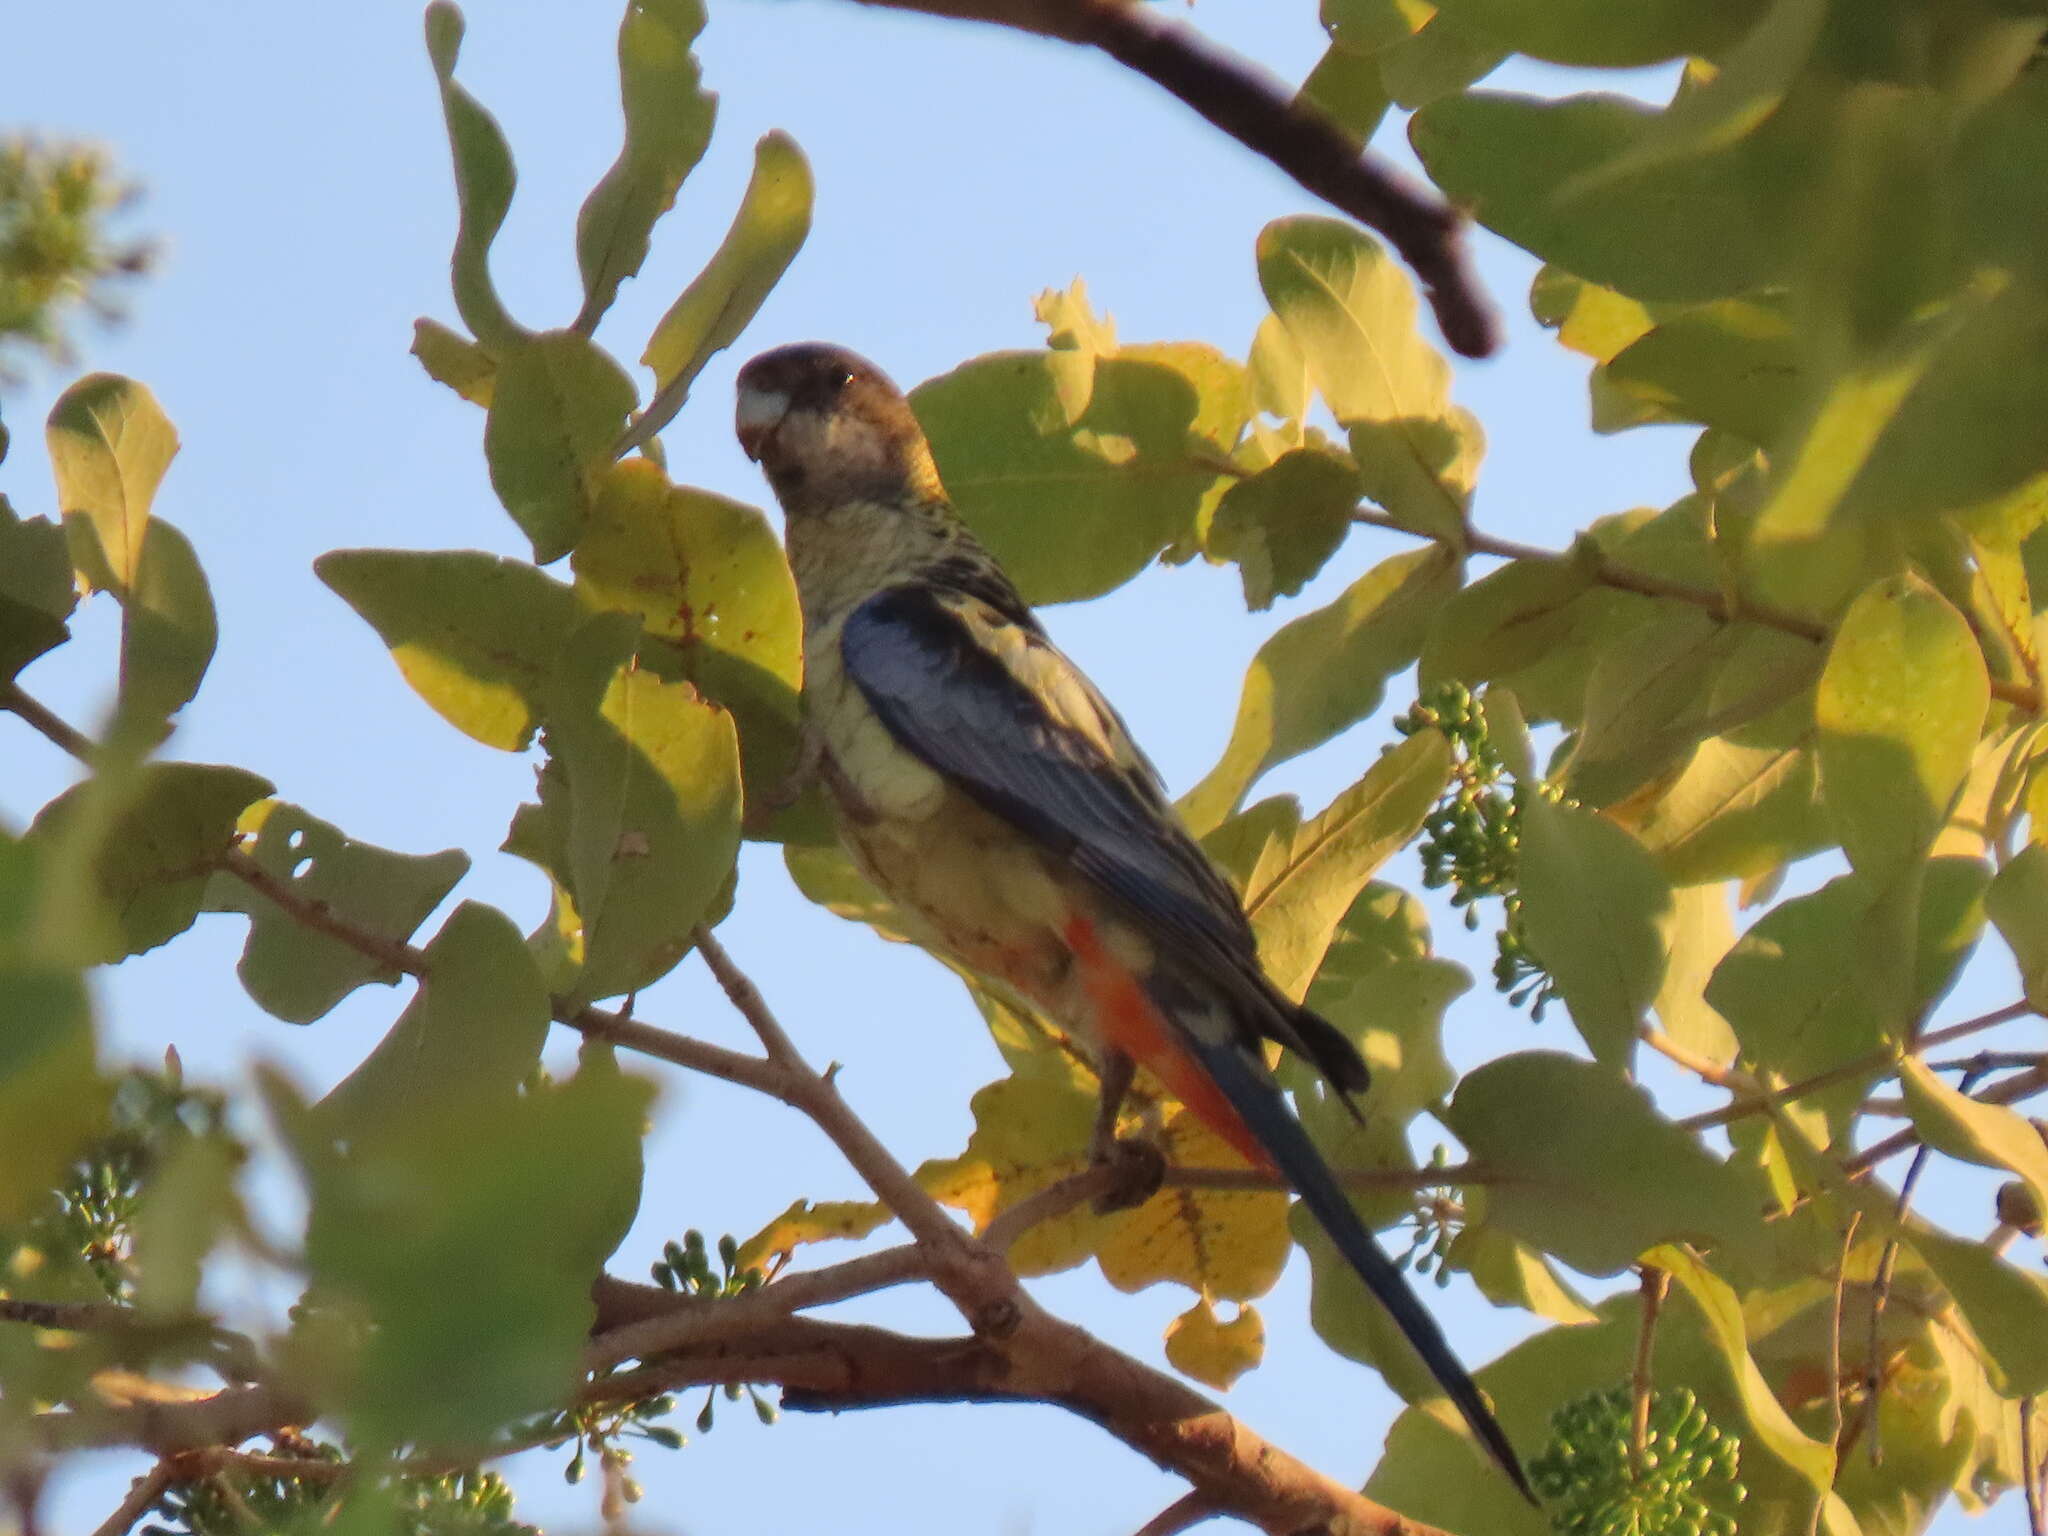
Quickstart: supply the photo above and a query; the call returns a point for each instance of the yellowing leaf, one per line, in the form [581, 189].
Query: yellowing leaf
[1216, 1353]
[809, 1221]
[110, 444]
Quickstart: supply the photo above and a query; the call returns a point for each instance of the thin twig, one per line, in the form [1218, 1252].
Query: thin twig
[1880, 1291]
[1268, 118]
[15, 700]
[1185, 1512]
[1820, 1502]
[1655, 1285]
[1609, 572]
[2030, 1470]
[1705, 1070]
[1885, 1060]
[232, 1354]
[143, 1495]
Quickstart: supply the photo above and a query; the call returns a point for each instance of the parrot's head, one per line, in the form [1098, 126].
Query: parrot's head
[828, 427]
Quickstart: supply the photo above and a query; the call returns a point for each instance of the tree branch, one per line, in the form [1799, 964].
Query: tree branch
[1244, 101]
[15, 700]
[142, 1497]
[1609, 572]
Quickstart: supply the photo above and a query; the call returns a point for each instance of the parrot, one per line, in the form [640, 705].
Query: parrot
[980, 781]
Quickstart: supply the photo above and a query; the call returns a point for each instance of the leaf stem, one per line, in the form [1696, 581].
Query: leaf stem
[1655, 1285]
[15, 700]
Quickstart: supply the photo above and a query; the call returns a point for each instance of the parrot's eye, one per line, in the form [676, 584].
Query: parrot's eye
[841, 377]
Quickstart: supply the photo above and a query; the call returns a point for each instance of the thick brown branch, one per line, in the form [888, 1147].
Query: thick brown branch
[227, 1417]
[1245, 102]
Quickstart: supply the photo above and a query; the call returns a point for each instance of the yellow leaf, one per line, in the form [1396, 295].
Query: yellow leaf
[1214, 1352]
[812, 1222]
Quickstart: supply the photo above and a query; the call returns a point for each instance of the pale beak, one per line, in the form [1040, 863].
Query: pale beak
[760, 413]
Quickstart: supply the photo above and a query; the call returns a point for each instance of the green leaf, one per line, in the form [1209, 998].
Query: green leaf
[1733, 810]
[707, 578]
[1803, 993]
[475, 635]
[1512, 1274]
[185, 1208]
[1734, 364]
[292, 971]
[455, 361]
[51, 1095]
[2018, 903]
[152, 859]
[168, 633]
[473, 1033]
[1589, 1170]
[1077, 468]
[1986, 1134]
[654, 803]
[668, 125]
[37, 593]
[1900, 706]
[1323, 672]
[1598, 914]
[483, 182]
[1346, 88]
[1693, 230]
[110, 444]
[773, 220]
[1282, 524]
[2006, 1308]
[1297, 907]
[1606, 32]
[1277, 373]
[557, 409]
[1503, 622]
[491, 1217]
[1442, 57]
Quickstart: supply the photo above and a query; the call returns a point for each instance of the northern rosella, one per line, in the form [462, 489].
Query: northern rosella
[980, 780]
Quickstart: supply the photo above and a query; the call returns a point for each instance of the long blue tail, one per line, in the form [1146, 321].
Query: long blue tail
[1255, 1098]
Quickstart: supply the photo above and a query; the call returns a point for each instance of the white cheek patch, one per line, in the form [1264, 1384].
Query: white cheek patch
[760, 409]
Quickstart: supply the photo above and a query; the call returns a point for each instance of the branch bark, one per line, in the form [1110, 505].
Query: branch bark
[1253, 107]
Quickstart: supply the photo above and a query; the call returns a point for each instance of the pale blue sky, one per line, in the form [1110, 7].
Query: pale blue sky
[296, 169]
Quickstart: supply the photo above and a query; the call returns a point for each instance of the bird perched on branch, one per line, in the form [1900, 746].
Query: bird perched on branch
[980, 780]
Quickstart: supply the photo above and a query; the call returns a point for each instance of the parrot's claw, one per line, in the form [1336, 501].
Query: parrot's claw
[1140, 1168]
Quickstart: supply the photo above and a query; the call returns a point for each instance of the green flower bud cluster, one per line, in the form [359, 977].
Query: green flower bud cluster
[150, 1116]
[1688, 1483]
[233, 1502]
[686, 1267]
[1471, 841]
[1438, 1220]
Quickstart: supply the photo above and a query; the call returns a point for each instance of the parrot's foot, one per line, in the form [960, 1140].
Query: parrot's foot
[1140, 1168]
